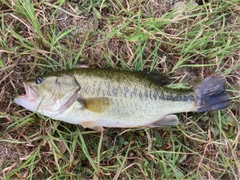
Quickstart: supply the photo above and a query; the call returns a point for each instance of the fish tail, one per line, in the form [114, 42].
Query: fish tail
[211, 93]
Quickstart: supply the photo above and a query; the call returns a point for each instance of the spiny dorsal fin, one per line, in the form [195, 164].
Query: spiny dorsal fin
[98, 105]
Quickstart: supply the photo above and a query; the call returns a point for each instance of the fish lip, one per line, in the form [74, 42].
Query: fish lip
[26, 88]
[31, 92]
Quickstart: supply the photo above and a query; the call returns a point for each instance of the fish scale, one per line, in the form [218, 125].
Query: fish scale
[134, 110]
[133, 91]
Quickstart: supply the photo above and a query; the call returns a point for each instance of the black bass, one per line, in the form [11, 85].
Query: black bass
[97, 98]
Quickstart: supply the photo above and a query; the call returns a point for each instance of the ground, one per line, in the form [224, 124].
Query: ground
[185, 41]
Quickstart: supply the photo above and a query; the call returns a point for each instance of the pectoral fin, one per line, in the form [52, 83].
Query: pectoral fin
[92, 125]
[97, 105]
[169, 120]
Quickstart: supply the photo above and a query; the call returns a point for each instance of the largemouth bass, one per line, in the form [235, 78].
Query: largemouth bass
[97, 98]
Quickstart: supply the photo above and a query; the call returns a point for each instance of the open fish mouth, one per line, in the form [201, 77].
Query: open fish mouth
[31, 92]
[30, 99]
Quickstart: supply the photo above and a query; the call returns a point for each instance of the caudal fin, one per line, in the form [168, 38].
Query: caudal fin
[211, 93]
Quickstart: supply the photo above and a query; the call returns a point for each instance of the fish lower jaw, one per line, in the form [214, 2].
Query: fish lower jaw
[27, 98]
[24, 101]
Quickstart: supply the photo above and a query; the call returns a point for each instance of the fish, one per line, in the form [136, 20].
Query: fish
[98, 98]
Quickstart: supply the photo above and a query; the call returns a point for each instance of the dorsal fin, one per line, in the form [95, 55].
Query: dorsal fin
[160, 79]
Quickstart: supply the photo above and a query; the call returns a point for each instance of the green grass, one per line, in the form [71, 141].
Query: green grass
[37, 37]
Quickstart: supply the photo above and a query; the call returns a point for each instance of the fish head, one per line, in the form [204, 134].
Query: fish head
[49, 95]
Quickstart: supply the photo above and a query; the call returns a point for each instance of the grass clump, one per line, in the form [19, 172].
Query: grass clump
[37, 37]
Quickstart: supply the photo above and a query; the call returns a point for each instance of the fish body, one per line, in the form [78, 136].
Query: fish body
[97, 98]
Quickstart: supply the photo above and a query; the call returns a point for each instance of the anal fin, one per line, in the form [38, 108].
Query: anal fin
[169, 120]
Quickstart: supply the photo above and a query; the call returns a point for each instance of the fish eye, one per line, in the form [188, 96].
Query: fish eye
[39, 80]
